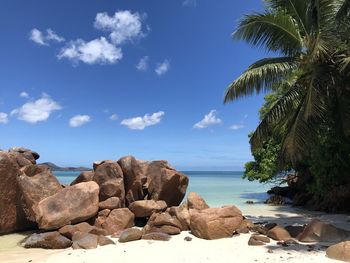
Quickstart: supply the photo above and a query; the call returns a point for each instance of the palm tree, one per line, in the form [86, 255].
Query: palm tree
[312, 64]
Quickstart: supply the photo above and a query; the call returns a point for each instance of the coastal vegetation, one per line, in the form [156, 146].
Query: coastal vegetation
[303, 136]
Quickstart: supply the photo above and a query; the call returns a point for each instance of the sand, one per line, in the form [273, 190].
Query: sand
[177, 250]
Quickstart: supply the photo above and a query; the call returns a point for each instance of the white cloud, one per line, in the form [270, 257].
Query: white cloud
[24, 94]
[43, 39]
[163, 67]
[123, 25]
[209, 119]
[3, 118]
[37, 36]
[51, 35]
[97, 51]
[139, 123]
[36, 111]
[79, 120]
[143, 64]
[236, 127]
[189, 3]
[114, 117]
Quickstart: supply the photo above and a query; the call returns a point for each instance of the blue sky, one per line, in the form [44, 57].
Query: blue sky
[99, 79]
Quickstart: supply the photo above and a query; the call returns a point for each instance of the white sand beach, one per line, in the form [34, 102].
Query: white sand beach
[233, 249]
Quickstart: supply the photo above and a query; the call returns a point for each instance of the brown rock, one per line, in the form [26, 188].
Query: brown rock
[156, 236]
[131, 234]
[84, 240]
[36, 188]
[195, 201]
[109, 176]
[27, 152]
[245, 226]
[69, 230]
[32, 169]
[182, 214]
[110, 203]
[134, 178]
[83, 177]
[295, 231]
[21, 160]
[340, 251]
[318, 231]
[163, 222]
[98, 231]
[254, 242]
[101, 218]
[261, 238]
[12, 214]
[278, 233]
[71, 205]
[188, 238]
[48, 240]
[145, 208]
[104, 241]
[118, 219]
[215, 223]
[165, 183]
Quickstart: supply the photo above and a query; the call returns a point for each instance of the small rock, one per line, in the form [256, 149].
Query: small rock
[84, 240]
[48, 240]
[131, 234]
[156, 236]
[104, 241]
[188, 238]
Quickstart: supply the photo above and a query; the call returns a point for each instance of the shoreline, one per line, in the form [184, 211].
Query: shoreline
[179, 250]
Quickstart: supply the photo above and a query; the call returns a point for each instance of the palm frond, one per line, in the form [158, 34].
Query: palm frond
[278, 113]
[344, 10]
[260, 76]
[275, 31]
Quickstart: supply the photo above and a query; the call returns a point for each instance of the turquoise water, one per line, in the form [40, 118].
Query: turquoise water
[217, 188]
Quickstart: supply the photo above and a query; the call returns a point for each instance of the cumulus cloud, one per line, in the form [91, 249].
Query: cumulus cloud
[236, 127]
[163, 67]
[79, 120]
[140, 123]
[3, 118]
[208, 120]
[24, 94]
[143, 64]
[114, 117]
[36, 111]
[97, 51]
[43, 39]
[123, 25]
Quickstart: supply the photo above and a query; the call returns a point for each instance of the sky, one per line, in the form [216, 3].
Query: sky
[89, 80]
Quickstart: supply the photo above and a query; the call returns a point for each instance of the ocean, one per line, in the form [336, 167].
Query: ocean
[217, 188]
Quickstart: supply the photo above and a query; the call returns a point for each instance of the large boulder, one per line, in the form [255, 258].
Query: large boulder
[26, 152]
[23, 156]
[135, 178]
[12, 214]
[318, 231]
[48, 240]
[182, 214]
[145, 208]
[215, 223]
[71, 205]
[340, 251]
[118, 219]
[36, 187]
[83, 177]
[165, 183]
[164, 223]
[195, 201]
[109, 176]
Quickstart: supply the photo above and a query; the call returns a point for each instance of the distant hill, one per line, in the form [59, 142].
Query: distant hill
[56, 168]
